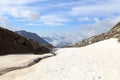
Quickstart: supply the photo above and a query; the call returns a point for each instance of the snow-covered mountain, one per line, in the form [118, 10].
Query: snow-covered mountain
[99, 61]
[33, 36]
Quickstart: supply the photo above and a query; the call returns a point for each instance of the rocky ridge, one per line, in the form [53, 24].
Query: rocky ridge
[112, 33]
[12, 43]
[34, 37]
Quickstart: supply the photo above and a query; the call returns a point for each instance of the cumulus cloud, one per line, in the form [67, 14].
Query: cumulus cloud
[99, 27]
[99, 15]
[28, 14]
[53, 20]
[64, 40]
[4, 22]
[19, 9]
[87, 31]
[22, 13]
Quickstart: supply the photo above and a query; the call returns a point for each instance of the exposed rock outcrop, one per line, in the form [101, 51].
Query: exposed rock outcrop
[12, 43]
[114, 32]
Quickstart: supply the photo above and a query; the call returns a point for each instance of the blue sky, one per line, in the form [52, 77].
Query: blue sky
[61, 17]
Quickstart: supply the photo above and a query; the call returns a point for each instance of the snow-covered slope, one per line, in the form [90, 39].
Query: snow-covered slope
[12, 62]
[18, 60]
[99, 61]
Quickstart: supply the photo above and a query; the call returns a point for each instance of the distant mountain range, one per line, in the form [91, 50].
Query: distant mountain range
[12, 43]
[55, 40]
[33, 36]
[61, 41]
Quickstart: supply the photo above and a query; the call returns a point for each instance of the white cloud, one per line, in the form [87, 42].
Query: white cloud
[28, 14]
[87, 31]
[33, 24]
[21, 20]
[4, 22]
[20, 12]
[99, 27]
[18, 2]
[105, 8]
[19, 9]
[64, 40]
[96, 19]
[50, 23]
[84, 19]
[84, 31]
[87, 19]
[53, 20]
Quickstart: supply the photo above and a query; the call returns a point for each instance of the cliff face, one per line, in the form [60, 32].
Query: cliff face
[114, 32]
[12, 43]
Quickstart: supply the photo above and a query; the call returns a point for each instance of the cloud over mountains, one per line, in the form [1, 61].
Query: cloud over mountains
[82, 17]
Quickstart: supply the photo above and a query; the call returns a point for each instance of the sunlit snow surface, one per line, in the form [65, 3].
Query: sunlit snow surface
[10, 61]
[99, 61]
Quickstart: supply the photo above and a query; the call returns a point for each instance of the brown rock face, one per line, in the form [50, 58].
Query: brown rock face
[114, 32]
[12, 43]
[116, 27]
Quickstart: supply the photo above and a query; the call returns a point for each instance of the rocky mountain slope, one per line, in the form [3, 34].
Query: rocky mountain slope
[112, 33]
[12, 43]
[34, 37]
